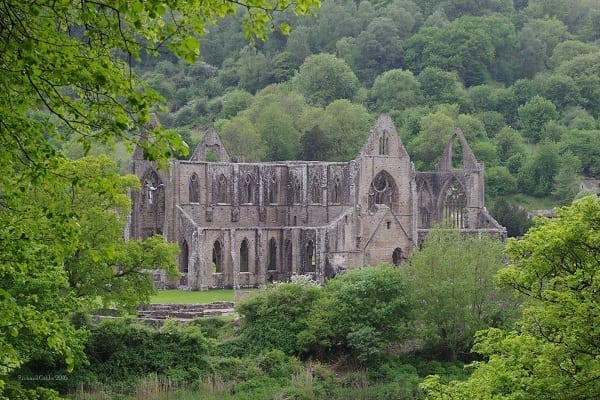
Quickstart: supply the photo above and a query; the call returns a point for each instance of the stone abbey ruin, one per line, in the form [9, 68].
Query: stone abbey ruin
[245, 224]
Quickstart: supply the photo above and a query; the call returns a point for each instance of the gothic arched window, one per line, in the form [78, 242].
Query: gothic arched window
[384, 143]
[425, 207]
[336, 192]
[248, 189]
[194, 189]
[244, 253]
[183, 261]
[217, 257]
[311, 257]
[297, 191]
[397, 257]
[272, 255]
[152, 203]
[288, 256]
[221, 189]
[382, 190]
[272, 187]
[315, 190]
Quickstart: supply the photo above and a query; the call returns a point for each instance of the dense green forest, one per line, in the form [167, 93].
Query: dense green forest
[521, 79]
[80, 81]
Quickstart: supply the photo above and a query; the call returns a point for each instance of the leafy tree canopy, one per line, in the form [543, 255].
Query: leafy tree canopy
[65, 72]
[450, 283]
[554, 351]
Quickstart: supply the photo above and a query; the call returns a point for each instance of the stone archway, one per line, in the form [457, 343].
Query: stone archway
[397, 256]
[217, 257]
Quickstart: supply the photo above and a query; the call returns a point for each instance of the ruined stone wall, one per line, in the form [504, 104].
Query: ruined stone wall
[247, 224]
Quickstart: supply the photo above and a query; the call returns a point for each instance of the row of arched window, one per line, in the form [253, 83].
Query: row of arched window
[248, 190]
[274, 262]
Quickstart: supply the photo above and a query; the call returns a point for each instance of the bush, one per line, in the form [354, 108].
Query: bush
[120, 352]
[273, 319]
[360, 313]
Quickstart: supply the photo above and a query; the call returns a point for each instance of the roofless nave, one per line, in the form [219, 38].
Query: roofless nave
[245, 224]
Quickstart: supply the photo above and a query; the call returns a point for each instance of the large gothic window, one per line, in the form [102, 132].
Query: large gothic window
[248, 189]
[311, 257]
[315, 190]
[194, 189]
[217, 257]
[184, 260]
[244, 253]
[272, 255]
[382, 190]
[221, 189]
[455, 203]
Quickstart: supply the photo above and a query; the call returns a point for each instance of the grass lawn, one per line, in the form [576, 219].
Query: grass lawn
[187, 296]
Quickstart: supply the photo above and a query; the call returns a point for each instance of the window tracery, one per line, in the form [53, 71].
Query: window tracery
[381, 190]
[455, 203]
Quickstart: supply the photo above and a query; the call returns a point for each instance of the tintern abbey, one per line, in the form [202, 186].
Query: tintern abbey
[246, 224]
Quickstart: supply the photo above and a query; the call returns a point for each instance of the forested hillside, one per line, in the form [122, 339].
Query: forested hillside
[520, 78]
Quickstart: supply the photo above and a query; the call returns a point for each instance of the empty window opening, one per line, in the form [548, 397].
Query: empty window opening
[272, 190]
[288, 256]
[244, 256]
[382, 190]
[248, 193]
[222, 189]
[272, 266]
[194, 189]
[297, 191]
[336, 190]
[217, 257]
[316, 190]
[455, 204]
[185, 254]
[397, 256]
[311, 257]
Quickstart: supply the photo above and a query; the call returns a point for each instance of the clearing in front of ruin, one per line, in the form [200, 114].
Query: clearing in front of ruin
[191, 297]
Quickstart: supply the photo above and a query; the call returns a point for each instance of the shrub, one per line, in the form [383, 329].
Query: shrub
[273, 319]
[360, 313]
[120, 352]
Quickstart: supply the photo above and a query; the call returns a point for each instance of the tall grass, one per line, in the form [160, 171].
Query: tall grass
[152, 387]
